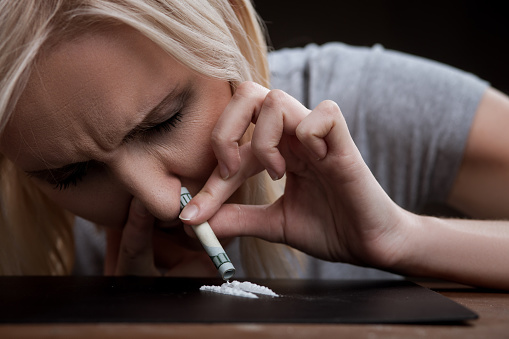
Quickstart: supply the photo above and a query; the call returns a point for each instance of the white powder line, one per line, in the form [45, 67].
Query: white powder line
[229, 291]
[253, 288]
[244, 289]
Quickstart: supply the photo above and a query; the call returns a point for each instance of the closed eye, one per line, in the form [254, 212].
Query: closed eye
[63, 177]
[166, 125]
[172, 105]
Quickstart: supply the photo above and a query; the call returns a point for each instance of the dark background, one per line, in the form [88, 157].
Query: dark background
[472, 35]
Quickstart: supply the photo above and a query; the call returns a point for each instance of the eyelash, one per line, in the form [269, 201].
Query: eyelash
[166, 125]
[80, 171]
[76, 175]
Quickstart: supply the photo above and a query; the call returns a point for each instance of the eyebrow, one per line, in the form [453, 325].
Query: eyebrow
[173, 100]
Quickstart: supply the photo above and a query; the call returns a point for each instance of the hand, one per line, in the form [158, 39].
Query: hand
[332, 207]
[129, 250]
[139, 246]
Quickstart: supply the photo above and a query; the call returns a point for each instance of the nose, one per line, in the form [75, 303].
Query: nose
[150, 181]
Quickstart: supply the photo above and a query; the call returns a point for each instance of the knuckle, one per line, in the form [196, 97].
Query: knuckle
[246, 89]
[218, 138]
[128, 253]
[258, 147]
[221, 140]
[211, 193]
[261, 147]
[329, 107]
[274, 98]
[303, 130]
[267, 155]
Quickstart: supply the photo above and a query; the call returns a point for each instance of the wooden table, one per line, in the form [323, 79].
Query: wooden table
[492, 307]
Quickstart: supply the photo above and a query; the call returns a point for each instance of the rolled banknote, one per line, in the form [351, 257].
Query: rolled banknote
[209, 241]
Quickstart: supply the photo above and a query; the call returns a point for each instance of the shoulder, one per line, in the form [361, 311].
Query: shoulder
[307, 72]
[291, 60]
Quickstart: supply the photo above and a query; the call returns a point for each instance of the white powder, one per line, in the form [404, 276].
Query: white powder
[244, 289]
[254, 288]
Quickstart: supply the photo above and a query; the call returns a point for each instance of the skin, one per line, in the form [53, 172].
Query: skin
[84, 97]
[87, 94]
[329, 186]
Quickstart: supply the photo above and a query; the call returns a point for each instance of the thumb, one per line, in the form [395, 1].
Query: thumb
[261, 221]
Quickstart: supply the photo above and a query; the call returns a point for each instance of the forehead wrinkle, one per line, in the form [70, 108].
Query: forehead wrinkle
[113, 90]
[87, 128]
[81, 110]
[63, 141]
[50, 114]
[106, 122]
[65, 135]
[29, 140]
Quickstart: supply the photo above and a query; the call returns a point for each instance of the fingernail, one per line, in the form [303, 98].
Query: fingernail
[272, 174]
[189, 212]
[223, 171]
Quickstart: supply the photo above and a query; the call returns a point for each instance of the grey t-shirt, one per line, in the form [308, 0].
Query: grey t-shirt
[409, 116]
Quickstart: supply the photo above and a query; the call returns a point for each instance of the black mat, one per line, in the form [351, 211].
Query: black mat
[179, 300]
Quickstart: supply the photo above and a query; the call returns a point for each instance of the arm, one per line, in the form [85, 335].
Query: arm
[333, 208]
[481, 189]
[471, 251]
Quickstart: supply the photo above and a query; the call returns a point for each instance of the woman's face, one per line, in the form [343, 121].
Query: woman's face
[108, 116]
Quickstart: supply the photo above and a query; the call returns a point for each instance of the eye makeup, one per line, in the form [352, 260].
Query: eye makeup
[63, 177]
[157, 119]
[172, 105]
[167, 125]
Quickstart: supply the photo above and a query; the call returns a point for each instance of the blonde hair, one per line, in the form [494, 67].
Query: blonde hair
[218, 38]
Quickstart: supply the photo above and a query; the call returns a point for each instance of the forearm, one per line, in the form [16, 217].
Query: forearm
[467, 251]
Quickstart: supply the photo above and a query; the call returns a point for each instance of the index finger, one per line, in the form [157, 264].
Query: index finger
[216, 191]
[231, 126]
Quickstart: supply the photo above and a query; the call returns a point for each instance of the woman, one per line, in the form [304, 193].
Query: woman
[111, 107]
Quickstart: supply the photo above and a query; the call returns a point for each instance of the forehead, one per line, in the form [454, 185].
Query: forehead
[83, 92]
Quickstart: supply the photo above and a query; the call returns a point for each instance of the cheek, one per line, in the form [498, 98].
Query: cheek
[199, 158]
[202, 131]
[100, 203]
[188, 153]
